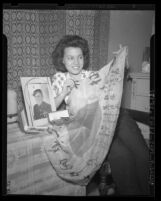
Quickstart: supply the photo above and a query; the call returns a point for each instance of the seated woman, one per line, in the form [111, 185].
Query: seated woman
[128, 154]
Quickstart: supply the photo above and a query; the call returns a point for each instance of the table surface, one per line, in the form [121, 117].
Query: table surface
[28, 169]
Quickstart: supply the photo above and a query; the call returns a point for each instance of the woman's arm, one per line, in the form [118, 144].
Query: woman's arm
[59, 99]
[68, 86]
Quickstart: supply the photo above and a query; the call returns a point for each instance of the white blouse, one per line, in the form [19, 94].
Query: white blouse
[59, 78]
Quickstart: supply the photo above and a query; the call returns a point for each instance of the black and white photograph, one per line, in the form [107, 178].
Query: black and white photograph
[93, 67]
[39, 100]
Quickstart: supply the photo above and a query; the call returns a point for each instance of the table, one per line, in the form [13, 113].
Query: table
[28, 169]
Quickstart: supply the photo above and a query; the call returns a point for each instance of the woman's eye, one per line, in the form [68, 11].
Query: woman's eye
[70, 58]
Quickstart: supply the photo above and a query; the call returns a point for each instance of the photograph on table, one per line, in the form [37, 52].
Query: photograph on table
[38, 98]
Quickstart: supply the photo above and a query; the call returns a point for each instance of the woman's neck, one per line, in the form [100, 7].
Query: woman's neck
[75, 77]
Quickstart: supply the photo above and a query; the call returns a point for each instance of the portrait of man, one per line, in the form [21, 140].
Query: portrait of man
[41, 108]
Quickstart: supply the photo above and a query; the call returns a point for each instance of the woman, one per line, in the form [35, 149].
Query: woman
[128, 155]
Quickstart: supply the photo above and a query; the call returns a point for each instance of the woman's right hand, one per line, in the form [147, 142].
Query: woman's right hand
[68, 86]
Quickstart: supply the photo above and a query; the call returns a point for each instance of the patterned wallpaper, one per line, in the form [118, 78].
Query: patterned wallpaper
[33, 34]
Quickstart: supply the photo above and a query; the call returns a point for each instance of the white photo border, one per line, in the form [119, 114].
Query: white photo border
[29, 84]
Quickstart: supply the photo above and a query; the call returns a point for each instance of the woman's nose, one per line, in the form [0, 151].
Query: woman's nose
[76, 61]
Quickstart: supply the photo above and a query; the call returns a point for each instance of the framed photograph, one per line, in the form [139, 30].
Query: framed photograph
[38, 98]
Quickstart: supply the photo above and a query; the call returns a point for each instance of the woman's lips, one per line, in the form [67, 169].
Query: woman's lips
[76, 67]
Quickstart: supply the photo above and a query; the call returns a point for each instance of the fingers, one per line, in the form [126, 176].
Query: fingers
[68, 86]
[69, 83]
[118, 51]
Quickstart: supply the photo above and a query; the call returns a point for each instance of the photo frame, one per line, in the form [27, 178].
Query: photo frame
[39, 100]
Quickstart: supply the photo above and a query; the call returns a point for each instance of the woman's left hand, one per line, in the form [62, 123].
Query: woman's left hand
[118, 51]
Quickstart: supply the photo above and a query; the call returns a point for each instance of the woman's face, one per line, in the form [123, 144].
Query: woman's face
[38, 98]
[73, 60]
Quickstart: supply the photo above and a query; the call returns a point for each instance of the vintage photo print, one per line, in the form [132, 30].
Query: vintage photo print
[39, 100]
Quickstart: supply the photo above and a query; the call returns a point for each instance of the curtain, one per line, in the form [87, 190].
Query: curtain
[33, 34]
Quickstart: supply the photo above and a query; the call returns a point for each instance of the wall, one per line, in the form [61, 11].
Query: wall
[131, 28]
[33, 34]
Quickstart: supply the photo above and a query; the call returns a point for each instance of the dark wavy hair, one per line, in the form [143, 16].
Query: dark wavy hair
[37, 91]
[70, 41]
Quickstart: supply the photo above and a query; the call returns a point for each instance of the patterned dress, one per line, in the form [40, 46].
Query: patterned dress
[59, 79]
